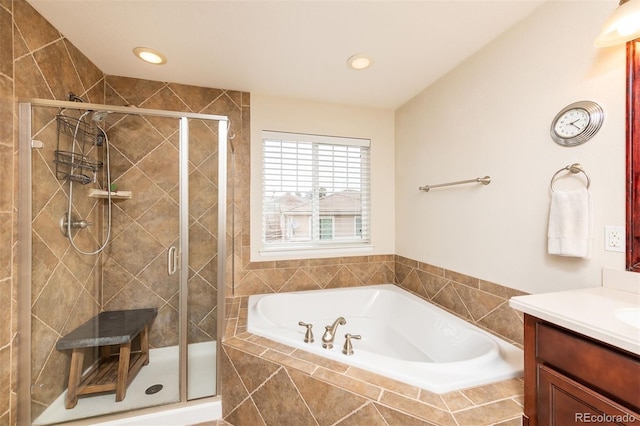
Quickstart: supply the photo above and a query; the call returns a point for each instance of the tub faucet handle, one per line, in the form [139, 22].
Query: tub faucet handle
[348, 347]
[308, 335]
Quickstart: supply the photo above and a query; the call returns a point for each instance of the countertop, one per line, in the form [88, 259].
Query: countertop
[589, 311]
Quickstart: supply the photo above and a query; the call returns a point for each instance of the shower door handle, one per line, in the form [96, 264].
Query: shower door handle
[172, 260]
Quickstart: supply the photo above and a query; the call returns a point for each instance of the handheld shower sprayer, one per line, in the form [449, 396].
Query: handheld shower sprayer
[80, 136]
[99, 117]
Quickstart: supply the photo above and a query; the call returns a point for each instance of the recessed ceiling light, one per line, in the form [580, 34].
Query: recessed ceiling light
[360, 61]
[151, 56]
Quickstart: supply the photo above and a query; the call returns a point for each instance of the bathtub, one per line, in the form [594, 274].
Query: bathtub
[403, 337]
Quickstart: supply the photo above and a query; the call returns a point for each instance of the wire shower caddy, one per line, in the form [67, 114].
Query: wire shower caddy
[76, 165]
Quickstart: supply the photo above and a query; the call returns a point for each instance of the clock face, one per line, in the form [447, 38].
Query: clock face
[571, 123]
[576, 123]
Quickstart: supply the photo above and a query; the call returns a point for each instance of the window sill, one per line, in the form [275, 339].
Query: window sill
[280, 253]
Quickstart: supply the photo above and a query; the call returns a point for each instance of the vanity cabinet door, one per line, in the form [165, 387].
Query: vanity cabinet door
[596, 365]
[562, 402]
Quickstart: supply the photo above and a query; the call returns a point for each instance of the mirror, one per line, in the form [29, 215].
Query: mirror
[633, 156]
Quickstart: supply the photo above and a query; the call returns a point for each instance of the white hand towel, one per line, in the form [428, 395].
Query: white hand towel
[570, 223]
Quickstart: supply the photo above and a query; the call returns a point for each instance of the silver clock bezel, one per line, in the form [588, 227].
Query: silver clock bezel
[596, 117]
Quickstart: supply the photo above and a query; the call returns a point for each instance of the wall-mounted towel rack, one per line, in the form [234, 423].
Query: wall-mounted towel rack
[573, 168]
[483, 180]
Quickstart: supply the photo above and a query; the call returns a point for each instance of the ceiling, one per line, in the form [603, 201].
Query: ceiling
[295, 49]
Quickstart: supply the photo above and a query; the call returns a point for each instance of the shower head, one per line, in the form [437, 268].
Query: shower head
[99, 116]
[74, 98]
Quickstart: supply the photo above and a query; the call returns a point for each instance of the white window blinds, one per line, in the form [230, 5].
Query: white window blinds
[315, 190]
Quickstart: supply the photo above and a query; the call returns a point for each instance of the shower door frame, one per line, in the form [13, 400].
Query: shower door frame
[24, 249]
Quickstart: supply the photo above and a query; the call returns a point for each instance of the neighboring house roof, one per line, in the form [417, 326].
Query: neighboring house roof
[344, 202]
[286, 202]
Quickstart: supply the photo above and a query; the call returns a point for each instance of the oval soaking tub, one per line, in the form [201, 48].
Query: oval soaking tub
[403, 336]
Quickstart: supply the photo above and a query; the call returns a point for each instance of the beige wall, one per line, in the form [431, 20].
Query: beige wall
[491, 116]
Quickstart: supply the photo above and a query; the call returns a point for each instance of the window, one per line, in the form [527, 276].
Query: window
[326, 228]
[358, 225]
[315, 191]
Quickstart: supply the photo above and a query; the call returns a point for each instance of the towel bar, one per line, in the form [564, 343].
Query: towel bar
[483, 180]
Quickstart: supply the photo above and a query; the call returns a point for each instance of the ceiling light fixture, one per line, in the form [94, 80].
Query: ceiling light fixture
[622, 26]
[361, 61]
[151, 56]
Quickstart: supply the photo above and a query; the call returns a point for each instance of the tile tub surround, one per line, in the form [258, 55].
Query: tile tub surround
[309, 389]
[482, 303]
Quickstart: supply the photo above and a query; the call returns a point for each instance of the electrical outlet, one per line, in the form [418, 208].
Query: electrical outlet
[614, 238]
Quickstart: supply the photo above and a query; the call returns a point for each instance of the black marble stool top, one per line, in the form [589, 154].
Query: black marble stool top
[108, 328]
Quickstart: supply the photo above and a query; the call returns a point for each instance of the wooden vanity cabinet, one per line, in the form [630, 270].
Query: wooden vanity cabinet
[571, 379]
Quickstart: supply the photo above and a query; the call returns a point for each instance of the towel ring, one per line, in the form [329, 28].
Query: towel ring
[573, 168]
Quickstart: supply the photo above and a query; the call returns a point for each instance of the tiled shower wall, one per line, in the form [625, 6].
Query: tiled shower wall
[8, 272]
[36, 61]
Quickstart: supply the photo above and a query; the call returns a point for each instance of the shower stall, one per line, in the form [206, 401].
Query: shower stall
[122, 212]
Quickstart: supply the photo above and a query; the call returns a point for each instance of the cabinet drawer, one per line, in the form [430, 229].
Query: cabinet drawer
[613, 373]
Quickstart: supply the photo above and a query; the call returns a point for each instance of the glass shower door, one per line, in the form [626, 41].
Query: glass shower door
[140, 264]
[202, 280]
[161, 252]
[132, 272]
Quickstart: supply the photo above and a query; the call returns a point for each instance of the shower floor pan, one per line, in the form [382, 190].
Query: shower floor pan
[162, 370]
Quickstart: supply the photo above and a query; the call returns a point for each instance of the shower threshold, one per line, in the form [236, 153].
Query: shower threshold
[162, 370]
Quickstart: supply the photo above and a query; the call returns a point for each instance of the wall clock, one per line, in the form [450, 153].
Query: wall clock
[577, 123]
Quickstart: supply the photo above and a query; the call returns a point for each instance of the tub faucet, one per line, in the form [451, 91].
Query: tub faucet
[330, 332]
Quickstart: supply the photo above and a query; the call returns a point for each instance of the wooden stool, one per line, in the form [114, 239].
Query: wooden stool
[112, 372]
